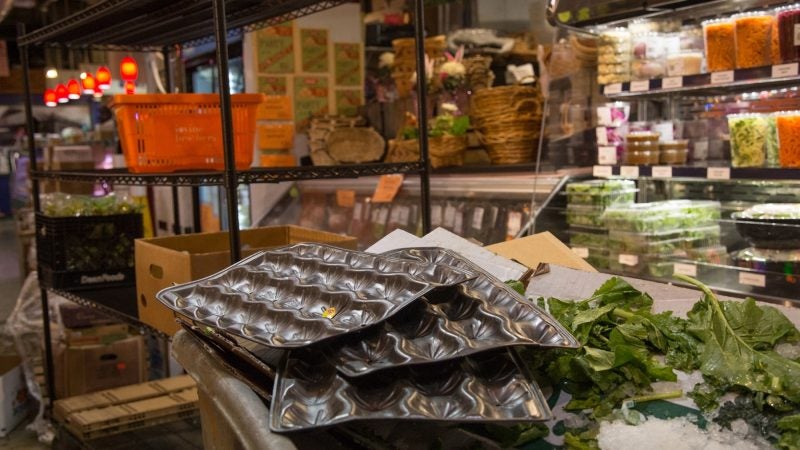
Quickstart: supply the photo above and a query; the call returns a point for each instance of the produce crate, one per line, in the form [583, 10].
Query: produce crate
[87, 251]
[169, 132]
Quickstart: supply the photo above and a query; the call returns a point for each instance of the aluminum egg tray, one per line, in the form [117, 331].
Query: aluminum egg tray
[301, 294]
[478, 315]
[490, 386]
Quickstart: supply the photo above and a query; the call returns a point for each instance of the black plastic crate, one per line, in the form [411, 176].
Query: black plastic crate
[87, 251]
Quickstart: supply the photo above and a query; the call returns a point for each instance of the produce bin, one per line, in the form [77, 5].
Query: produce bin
[170, 132]
[87, 251]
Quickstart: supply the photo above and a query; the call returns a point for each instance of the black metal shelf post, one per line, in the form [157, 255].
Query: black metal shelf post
[422, 111]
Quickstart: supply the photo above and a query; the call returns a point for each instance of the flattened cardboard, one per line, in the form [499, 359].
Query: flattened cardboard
[540, 248]
[160, 262]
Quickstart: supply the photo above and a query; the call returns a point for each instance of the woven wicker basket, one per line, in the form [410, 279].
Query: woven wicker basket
[512, 152]
[406, 150]
[443, 151]
[355, 145]
[508, 119]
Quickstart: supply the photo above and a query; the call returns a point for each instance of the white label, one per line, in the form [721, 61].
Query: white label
[722, 77]
[752, 279]
[628, 260]
[458, 224]
[402, 216]
[436, 215]
[602, 136]
[383, 215]
[477, 218]
[672, 83]
[357, 211]
[797, 34]
[604, 116]
[394, 217]
[629, 171]
[784, 70]
[718, 173]
[449, 216]
[690, 270]
[583, 252]
[640, 86]
[611, 89]
[602, 171]
[662, 172]
[514, 223]
[495, 212]
[607, 155]
[701, 148]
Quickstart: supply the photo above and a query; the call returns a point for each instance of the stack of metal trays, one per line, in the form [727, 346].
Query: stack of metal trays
[413, 334]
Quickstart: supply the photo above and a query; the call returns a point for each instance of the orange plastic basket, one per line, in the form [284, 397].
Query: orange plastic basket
[170, 132]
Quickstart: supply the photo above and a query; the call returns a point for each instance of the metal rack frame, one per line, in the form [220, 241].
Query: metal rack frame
[154, 25]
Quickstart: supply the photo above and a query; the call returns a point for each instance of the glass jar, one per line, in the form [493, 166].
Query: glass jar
[788, 128]
[788, 19]
[686, 62]
[753, 39]
[720, 44]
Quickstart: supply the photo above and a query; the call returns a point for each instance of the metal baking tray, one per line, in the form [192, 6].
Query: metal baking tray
[490, 386]
[478, 315]
[301, 294]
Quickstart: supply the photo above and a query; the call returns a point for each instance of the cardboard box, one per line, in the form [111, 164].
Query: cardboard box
[162, 261]
[540, 248]
[77, 316]
[102, 335]
[90, 368]
[14, 400]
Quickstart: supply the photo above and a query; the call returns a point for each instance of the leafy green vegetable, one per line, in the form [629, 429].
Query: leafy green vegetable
[790, 426]
[516, 435]
[581, 441]
[517, 286]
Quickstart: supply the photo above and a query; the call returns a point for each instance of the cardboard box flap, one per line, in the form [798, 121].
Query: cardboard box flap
[110, 416]
[541, 248]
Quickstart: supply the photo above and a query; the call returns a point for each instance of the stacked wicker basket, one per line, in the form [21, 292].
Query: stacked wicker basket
[508, 119]
[405, 63]
[443, 151]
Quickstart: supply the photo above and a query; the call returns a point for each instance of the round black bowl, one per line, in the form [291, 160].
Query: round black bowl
[769, 233]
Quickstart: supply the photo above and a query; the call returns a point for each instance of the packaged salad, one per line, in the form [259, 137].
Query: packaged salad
[753, 39]
[752, 139]
[788, 128]
[720, 44]
[788, 18]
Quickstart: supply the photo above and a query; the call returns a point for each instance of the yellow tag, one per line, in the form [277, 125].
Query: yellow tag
[345, 198]
[329, 312]
[388, 186]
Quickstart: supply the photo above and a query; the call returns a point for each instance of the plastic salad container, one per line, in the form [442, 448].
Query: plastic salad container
[788, 18]
[753, 39]
[753, 140]
[720, 43]
[601, 192]
[788, 128]
[587, 239]
[663, 243]
[716, 254]
[785, 262]
[585, 216]
[770, 225]
[686, 62]
[662, 216]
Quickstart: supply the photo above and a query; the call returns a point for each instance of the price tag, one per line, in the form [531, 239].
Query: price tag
[628, 260]
[449, 216]
[607, 155]
[436, 215]
[629, 171]
[718, 173]
[640, 86]
[345, 198]
[513, 224]
[752, 279]
[458, 223]
[583, 252]
[662, 172]
[672, 83]
[383, 214]
[690, 270]
[784, 70]
[602, 171]
[604, 116]
[722, 77]
[611, 89]
[477, 218]
[357, 211]
[402, 215]
[387, 188]
[602, 136]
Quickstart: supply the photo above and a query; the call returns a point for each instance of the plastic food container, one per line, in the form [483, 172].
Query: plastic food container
[687, 62]
[645, 69]
[785, 262]
[751, 134]
[673, 156]
[753, 39]
[716, 254]
[585, 216]
[614, 50]
[720, 44]
[643, 157]
[669, 242]
[788, 18]
[662, 216]
[691, 37]
[788, 128]
[654, 46]
[642, 136]
[586, 238]
[770, 225]
[601, 192]
[640, 265]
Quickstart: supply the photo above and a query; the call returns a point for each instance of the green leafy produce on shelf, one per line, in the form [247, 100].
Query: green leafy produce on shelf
[71, 205]
[595, 240]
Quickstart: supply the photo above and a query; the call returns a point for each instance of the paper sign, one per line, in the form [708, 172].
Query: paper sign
[611, 89]
[273, 136]
[604, 116]
[718, 173]
[628, 260]
[273, 85]
[602, 171]
[314, 50]
[347, 60]
[275, 107]
[388, 187]
[602, 136]
[348, 101]
[310, 99]
[640, 86]
[672, 83]
[752, 279]
[690, 270]
[629, 171]
[722, 77]
[583, 252]
[345, 198]
[662, 172]
[784, 70]
[607, 155]
[477, 218]
[275, 49]
[513, 225]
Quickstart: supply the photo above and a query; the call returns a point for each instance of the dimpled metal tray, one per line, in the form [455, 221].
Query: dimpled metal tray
[486, 387]
[297, 295]
[480, 314]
